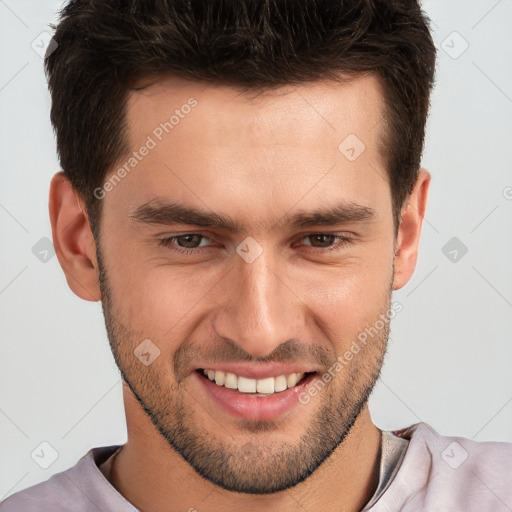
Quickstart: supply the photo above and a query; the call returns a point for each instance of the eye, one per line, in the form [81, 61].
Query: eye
[186, 243]
[325, 241]
[190, 243]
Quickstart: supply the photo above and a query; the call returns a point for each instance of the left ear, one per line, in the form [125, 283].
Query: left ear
[408, 237]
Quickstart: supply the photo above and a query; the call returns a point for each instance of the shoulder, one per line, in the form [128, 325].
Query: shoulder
[462, 457]
[451, 473]
[79, 488]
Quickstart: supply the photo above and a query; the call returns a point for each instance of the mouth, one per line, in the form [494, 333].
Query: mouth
[253, 399]
[264, 387]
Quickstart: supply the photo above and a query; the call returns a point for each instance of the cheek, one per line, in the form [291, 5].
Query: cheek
[347, 299]
[160, 301]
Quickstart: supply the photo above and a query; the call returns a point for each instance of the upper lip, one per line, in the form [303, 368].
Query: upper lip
[261, 371]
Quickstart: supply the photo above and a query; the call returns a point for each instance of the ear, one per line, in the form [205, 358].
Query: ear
[408, 237]
[72, 238]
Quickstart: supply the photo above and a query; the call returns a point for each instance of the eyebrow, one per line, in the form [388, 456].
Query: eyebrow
[158, 211]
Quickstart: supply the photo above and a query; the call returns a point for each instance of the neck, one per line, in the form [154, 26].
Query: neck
[154, 478]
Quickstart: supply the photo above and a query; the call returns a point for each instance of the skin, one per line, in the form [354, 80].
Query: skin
[255, 158]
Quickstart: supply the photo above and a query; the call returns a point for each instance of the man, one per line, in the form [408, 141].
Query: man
[242, 190]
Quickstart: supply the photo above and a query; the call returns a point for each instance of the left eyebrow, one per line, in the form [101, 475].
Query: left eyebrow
[161, 212]
[339, 214]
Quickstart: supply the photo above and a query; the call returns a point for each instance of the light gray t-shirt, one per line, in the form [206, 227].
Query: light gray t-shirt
[420, 471]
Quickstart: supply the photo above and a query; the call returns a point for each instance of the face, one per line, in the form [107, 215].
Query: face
[288, 259]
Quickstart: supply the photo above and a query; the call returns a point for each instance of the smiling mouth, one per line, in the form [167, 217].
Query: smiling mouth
[256, 387]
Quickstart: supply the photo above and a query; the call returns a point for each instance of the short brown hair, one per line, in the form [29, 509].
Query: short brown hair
[104, 46]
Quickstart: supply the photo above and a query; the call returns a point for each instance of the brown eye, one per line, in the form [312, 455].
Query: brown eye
[325, 242]
[189, 242]
[323, 239]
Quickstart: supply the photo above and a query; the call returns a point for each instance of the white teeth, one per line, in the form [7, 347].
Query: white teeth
[265, 385]
[219, 377]
[280, 383]
[291, 380]
[231, 381]
[246, 385]
[257, 387]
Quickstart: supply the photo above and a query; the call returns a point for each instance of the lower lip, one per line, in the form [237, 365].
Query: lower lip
[254, 408]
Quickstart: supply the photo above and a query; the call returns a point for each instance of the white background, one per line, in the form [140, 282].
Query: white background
[450, 355]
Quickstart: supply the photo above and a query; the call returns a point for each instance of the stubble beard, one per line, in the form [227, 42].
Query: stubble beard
[259, 464]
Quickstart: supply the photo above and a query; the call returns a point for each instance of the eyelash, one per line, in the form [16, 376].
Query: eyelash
[167, 243]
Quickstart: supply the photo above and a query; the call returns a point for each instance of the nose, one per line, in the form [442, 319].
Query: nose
[259, 309]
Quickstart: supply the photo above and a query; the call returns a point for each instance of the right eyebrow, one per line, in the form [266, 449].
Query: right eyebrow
[174, 213]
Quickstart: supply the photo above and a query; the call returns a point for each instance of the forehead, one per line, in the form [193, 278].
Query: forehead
[213, 143]
[307, 111]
